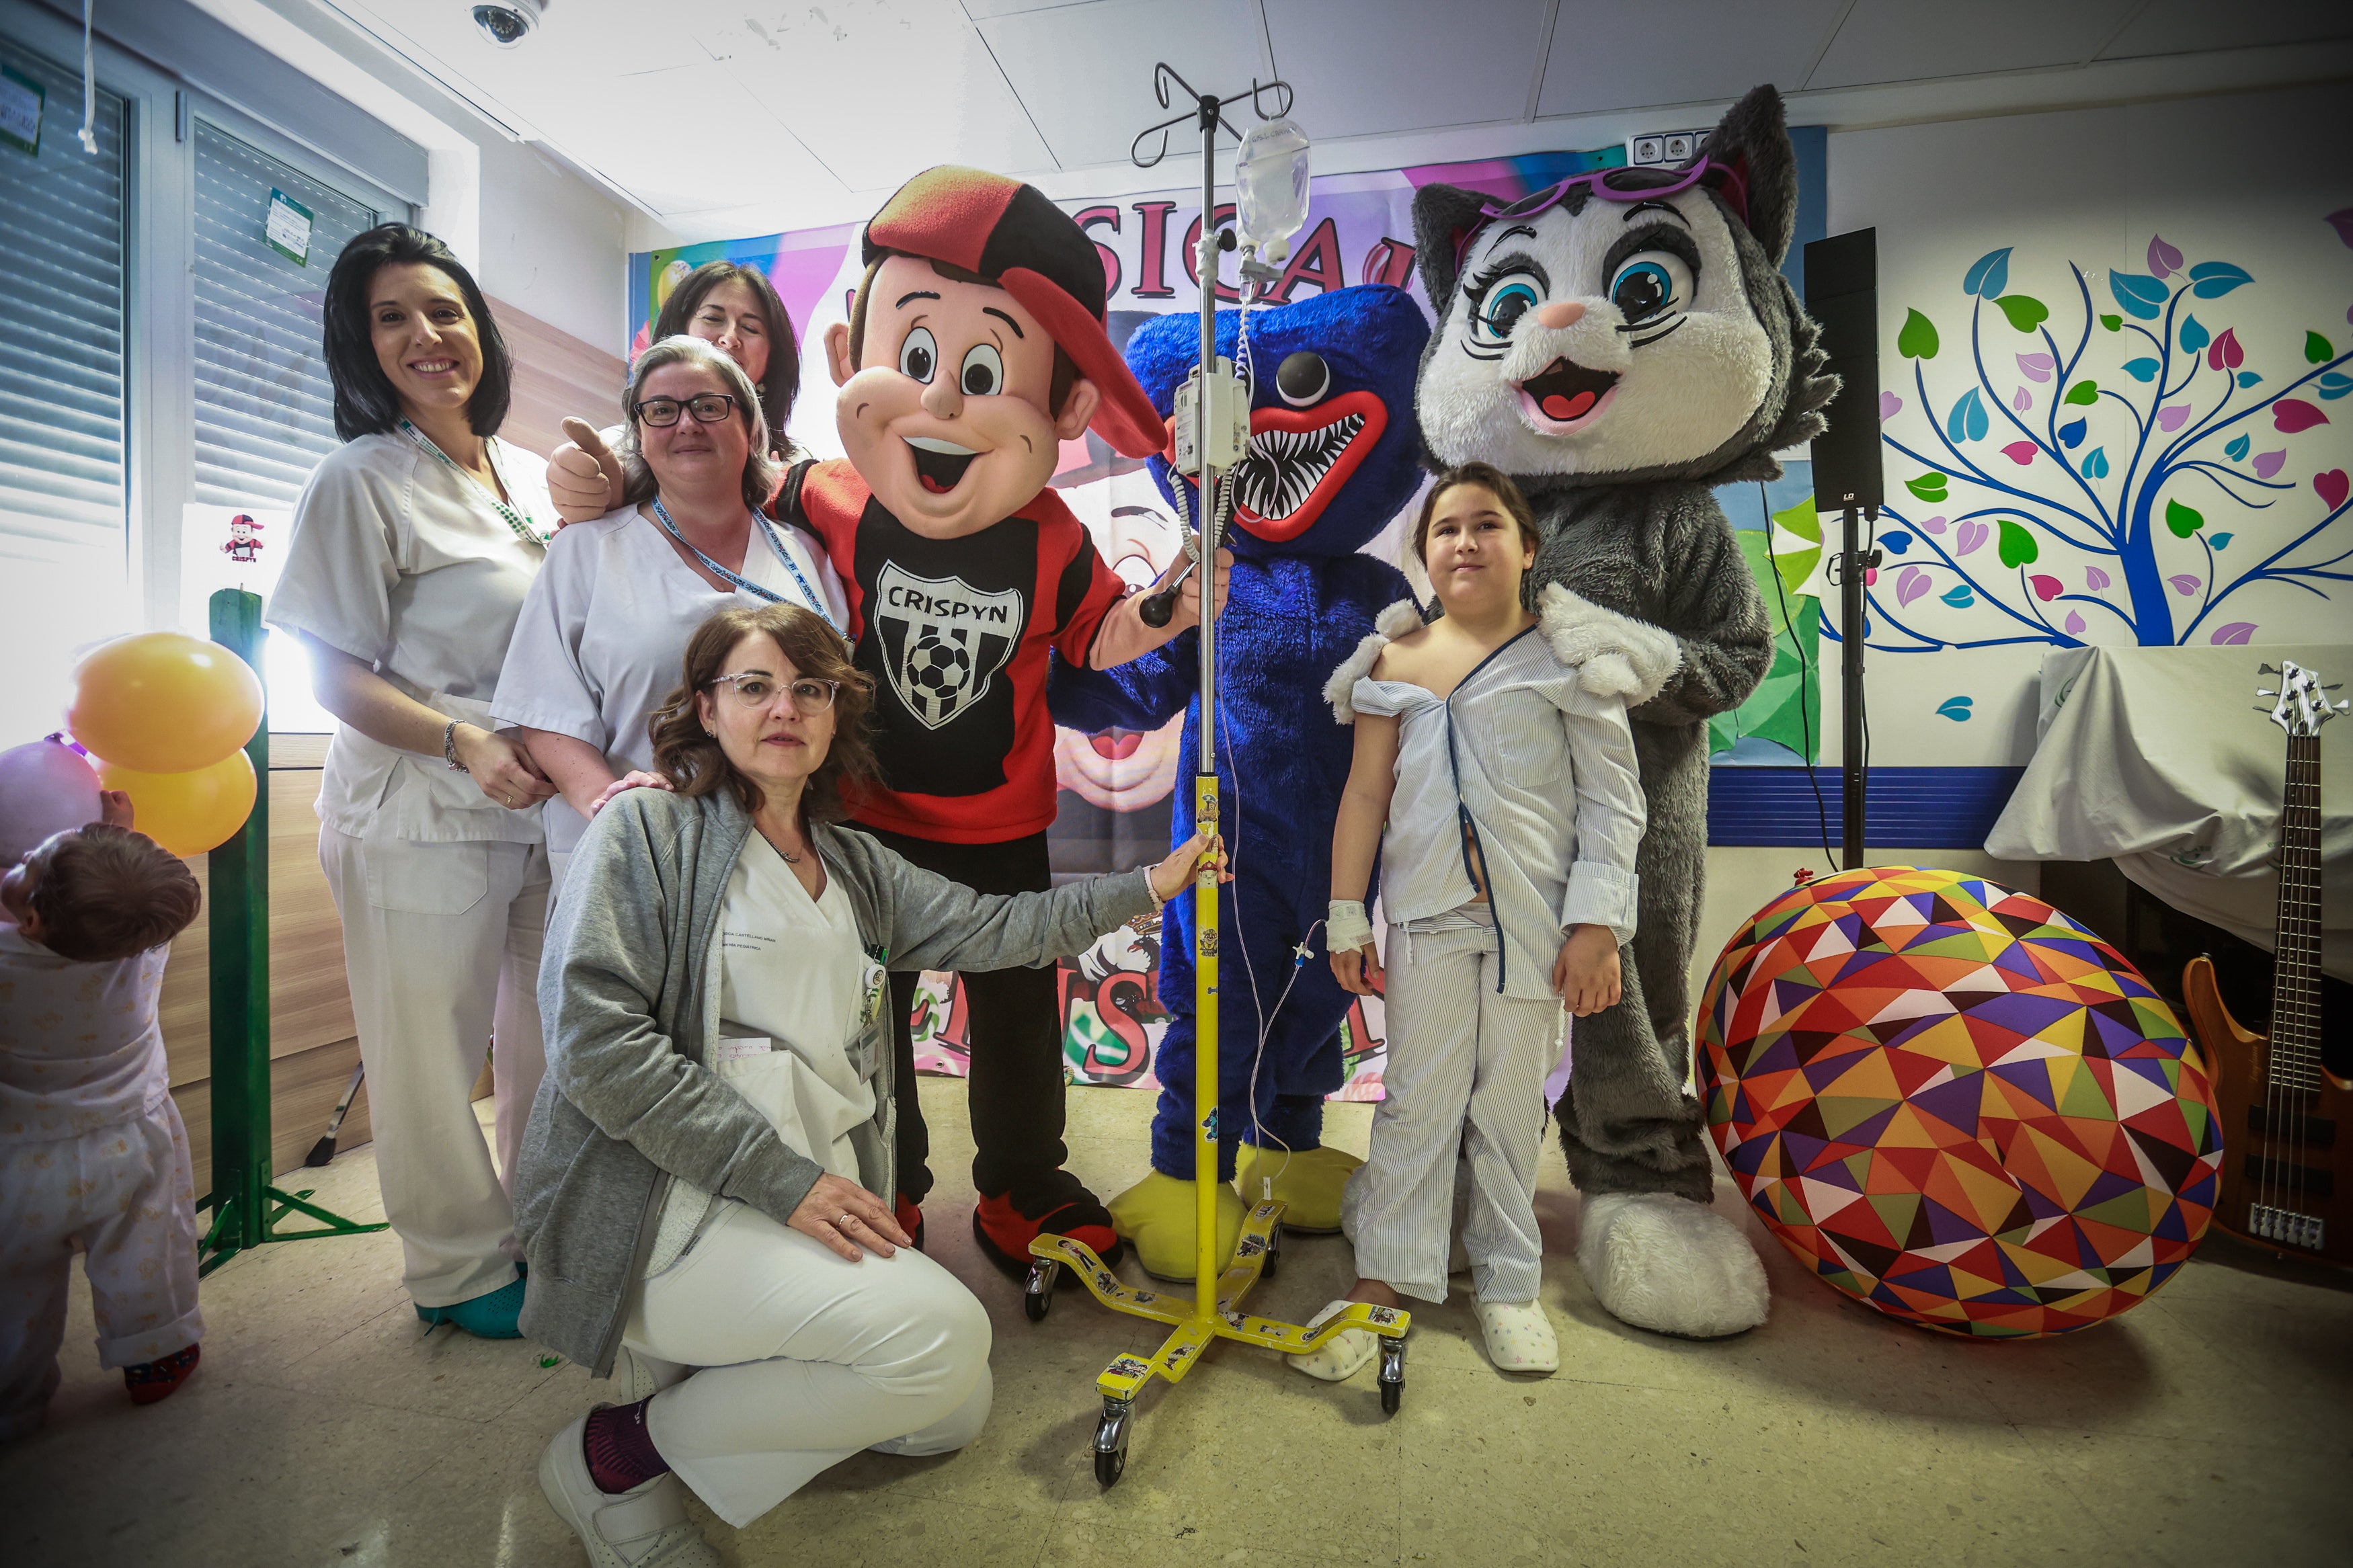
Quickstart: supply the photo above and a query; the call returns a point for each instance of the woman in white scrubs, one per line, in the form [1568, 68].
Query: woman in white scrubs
[598, 643]
[414, 544]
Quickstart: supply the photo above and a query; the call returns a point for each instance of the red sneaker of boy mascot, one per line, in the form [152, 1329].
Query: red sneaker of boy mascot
[975, 349]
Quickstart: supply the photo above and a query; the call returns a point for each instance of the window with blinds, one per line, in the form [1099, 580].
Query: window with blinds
[264, 408]
[62, 477]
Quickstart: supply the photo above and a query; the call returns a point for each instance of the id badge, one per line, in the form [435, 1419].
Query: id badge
[878, 988]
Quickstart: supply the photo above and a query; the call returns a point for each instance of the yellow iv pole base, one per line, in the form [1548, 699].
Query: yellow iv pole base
[1192, 1330]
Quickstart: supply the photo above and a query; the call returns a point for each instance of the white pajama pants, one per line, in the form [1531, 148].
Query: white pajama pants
[1464, 1085]
[123, 1195]
[442, 944]
[807, 1359]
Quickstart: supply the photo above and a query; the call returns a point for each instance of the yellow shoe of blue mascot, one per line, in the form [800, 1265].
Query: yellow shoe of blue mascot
[1155, 1215]
[1308, 1182]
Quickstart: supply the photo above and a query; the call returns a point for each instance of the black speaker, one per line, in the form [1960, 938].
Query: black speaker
[1842, 296]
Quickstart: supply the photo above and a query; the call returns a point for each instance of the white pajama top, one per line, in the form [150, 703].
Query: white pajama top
[602, 637]
[1536, 770]
[80, 1046]
[401, 561]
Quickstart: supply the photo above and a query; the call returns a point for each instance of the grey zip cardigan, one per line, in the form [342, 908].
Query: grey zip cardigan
[629, 993]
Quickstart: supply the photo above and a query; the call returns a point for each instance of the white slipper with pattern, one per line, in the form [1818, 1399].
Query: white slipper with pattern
[1519, 1336]
[1344, 1356]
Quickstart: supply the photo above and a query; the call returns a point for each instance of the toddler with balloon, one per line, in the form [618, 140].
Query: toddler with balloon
[92, 1150]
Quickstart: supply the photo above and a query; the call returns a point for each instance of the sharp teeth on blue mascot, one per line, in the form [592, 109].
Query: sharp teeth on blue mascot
[1620, 347]
[1332, 460]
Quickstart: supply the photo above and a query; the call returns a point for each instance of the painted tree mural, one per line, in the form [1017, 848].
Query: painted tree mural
[2104, 484]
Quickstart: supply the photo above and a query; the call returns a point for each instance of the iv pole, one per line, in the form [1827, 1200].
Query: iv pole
[1219, 438]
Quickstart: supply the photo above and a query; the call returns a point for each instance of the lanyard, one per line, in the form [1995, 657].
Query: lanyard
[662, 515]
[516, 520]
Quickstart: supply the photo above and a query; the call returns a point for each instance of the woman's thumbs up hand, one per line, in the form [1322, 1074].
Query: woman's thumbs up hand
[584, 477]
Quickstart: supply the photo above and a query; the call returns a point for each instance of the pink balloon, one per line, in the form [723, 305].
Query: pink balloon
[45, 787]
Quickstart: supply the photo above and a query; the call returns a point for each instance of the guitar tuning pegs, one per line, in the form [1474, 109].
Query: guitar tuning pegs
[2265, 669]
[2265, 691]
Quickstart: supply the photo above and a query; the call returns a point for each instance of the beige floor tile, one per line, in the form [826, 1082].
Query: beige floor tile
[2190, 1504]
[1607, 1475]
[326, 1428]
[828, 1529]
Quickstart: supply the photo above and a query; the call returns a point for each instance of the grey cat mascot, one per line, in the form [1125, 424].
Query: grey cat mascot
[1620, 344]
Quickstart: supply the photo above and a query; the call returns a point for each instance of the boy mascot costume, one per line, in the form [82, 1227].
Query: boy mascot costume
[1620, 344]
[976, 347]
[1330, 459]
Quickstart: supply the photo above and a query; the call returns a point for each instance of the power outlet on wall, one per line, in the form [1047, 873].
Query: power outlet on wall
[1666, 147]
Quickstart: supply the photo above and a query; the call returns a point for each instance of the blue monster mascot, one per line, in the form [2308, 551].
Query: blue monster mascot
[1333, 456]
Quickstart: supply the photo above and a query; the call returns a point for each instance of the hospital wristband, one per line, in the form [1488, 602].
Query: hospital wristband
[1345, 927]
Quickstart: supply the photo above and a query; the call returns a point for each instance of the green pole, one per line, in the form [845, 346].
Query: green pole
[245, 1205]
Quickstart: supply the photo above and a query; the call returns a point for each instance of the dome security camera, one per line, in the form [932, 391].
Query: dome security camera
[509, 24]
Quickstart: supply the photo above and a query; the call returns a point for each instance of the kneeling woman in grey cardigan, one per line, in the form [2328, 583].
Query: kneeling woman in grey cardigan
[697, 1185]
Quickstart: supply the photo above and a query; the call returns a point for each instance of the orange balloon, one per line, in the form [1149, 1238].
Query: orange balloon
[187, 813]
[162, 702]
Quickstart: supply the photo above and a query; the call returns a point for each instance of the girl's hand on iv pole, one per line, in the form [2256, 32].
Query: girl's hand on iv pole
[503, 770]
[1360, 972]
[1173, 874]
[1586, 975]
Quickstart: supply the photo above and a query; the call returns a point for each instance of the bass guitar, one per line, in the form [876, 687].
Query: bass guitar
[2286, 1121]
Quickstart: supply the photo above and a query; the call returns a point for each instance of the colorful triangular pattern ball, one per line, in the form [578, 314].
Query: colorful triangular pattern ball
[1956, 1104]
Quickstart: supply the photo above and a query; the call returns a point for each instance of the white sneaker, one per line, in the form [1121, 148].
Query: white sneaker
[645, 1527]
[1344, 1356]
[1519, 1336]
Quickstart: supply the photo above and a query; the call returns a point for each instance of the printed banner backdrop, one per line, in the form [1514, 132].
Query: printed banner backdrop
[1116, 786]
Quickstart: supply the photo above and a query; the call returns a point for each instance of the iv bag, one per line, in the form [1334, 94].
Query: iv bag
[1271, 184]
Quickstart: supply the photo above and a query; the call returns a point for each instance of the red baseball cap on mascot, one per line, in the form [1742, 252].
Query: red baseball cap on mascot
[1004, 229]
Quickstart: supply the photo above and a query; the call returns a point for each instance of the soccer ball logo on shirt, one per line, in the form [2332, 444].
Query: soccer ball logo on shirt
[942, 639]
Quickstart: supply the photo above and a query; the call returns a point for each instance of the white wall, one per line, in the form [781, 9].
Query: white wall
[2247, 179]
[550, 243]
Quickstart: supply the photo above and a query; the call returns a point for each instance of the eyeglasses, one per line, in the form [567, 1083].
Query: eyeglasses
[708, 408]
[1611, 185]
[753, 691]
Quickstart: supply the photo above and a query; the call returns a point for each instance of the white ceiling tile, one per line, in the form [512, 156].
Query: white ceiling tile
[1611, 55]
[2184, 27]
[879, 90]
[981, 10]
[1361, 70]
[1909, 40]
[1084, 72]
[695, 139]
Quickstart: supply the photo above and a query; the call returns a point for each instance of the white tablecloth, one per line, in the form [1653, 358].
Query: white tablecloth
[2156, 757]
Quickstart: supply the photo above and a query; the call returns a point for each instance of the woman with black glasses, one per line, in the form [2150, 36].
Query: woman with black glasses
[601, 634]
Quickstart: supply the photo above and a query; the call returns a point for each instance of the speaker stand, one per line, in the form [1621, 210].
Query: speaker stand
[1855, 564]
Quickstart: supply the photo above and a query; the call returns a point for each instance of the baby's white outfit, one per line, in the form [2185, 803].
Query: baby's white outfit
[92, 1154]
[1528, 766]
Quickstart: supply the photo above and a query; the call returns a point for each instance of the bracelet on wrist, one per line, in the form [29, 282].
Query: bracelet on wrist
[450, 747]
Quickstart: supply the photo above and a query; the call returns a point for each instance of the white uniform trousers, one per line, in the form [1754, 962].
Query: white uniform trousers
[123, 1194]
[442, 944]
[807, 1359]
[1464, 1085]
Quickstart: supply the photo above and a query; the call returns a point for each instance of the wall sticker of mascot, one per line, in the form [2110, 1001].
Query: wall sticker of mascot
[1620, 344]
[1330, 460]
